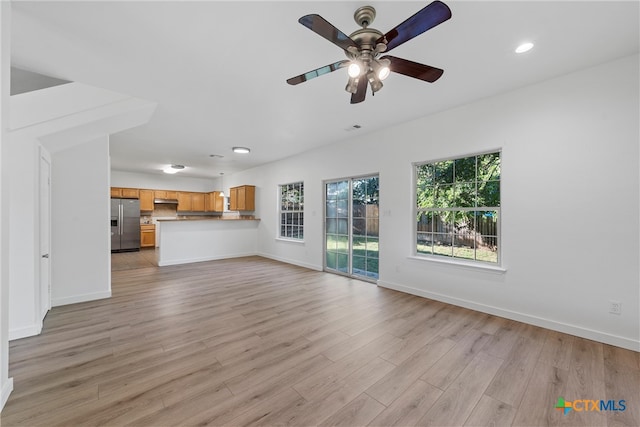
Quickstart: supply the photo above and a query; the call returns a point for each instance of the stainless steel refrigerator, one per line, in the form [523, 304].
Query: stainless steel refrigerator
[125, 225]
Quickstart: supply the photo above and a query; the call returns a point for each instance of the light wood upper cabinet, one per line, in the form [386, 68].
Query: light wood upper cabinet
[164, 194]
[125, 193]
[191, 202]
[146, 200]
[208, 202]
[214, 202]
[184, 201]
[242, 198]
[197, 202]
[218, 204]
[130, 193]
[188, 201]
[233, 199]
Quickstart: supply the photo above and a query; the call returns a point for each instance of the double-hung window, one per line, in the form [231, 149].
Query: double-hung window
[458, 208]
[292, 211]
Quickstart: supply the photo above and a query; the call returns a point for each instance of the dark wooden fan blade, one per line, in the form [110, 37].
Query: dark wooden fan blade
[430, 16]
[322, 27]
[317, 72]
[414, 69]
[361, 92]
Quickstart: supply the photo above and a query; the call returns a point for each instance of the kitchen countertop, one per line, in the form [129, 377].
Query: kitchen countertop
[213, 218]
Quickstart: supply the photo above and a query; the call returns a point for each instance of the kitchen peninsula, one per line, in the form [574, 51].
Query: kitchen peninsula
[187, 240]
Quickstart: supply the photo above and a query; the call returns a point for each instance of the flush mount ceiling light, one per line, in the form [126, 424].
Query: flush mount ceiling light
[524, 47]
[173, 169]
[241, 150]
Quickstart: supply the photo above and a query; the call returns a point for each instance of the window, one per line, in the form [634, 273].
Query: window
[458, 208]
[292, 211]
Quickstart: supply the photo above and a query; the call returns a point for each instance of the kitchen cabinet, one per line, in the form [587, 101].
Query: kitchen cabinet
[214, 202]
[191, 202]
[197, 202]
[146, 200]
[130, 193]
[242, 198]
[184, 201]
[233, 199]
[164, 194]
[124, 193]
[147, 235]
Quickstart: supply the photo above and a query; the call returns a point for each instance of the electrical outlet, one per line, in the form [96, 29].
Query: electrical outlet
[615, 307]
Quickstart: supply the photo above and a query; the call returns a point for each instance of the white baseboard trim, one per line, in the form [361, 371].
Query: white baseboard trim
[24, 332]
[202, 259]
[55, 302]
[291, 261]
[7, 388]
[579, 331]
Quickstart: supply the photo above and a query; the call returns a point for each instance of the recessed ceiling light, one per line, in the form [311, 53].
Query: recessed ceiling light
[524, 47]
[241, 150]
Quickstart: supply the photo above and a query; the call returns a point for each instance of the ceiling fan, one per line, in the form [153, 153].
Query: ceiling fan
[364, 46]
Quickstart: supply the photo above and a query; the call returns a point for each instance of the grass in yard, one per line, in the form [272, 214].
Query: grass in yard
[481, 254]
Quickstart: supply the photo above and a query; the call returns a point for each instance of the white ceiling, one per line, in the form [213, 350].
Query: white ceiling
[218, 69]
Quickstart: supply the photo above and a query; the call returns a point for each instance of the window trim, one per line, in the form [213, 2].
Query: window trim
[462, 262]
[279, 235]
[289, 239]
[459, 262]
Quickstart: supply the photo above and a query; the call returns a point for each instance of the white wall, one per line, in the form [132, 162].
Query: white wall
[183, 242]
[6, 383]
[80, 261]
[21, 165]
[161, 181]
[101, 113]
[570, 201]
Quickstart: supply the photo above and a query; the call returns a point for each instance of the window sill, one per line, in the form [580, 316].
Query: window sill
[284, 239]
[456, 263]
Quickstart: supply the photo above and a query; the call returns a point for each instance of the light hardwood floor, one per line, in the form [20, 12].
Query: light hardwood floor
[252, 341]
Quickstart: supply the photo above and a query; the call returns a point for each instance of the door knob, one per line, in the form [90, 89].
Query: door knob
[45, 256]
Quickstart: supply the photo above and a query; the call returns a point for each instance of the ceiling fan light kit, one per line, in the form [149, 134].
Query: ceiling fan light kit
[364, 46]
[354, 69]
[352, 85]
[381, 67]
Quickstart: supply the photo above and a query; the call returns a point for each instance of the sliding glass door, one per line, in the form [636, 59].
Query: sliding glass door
[351, 227]
[337, 226]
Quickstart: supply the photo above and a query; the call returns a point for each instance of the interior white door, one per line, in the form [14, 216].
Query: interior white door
[45, 233]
